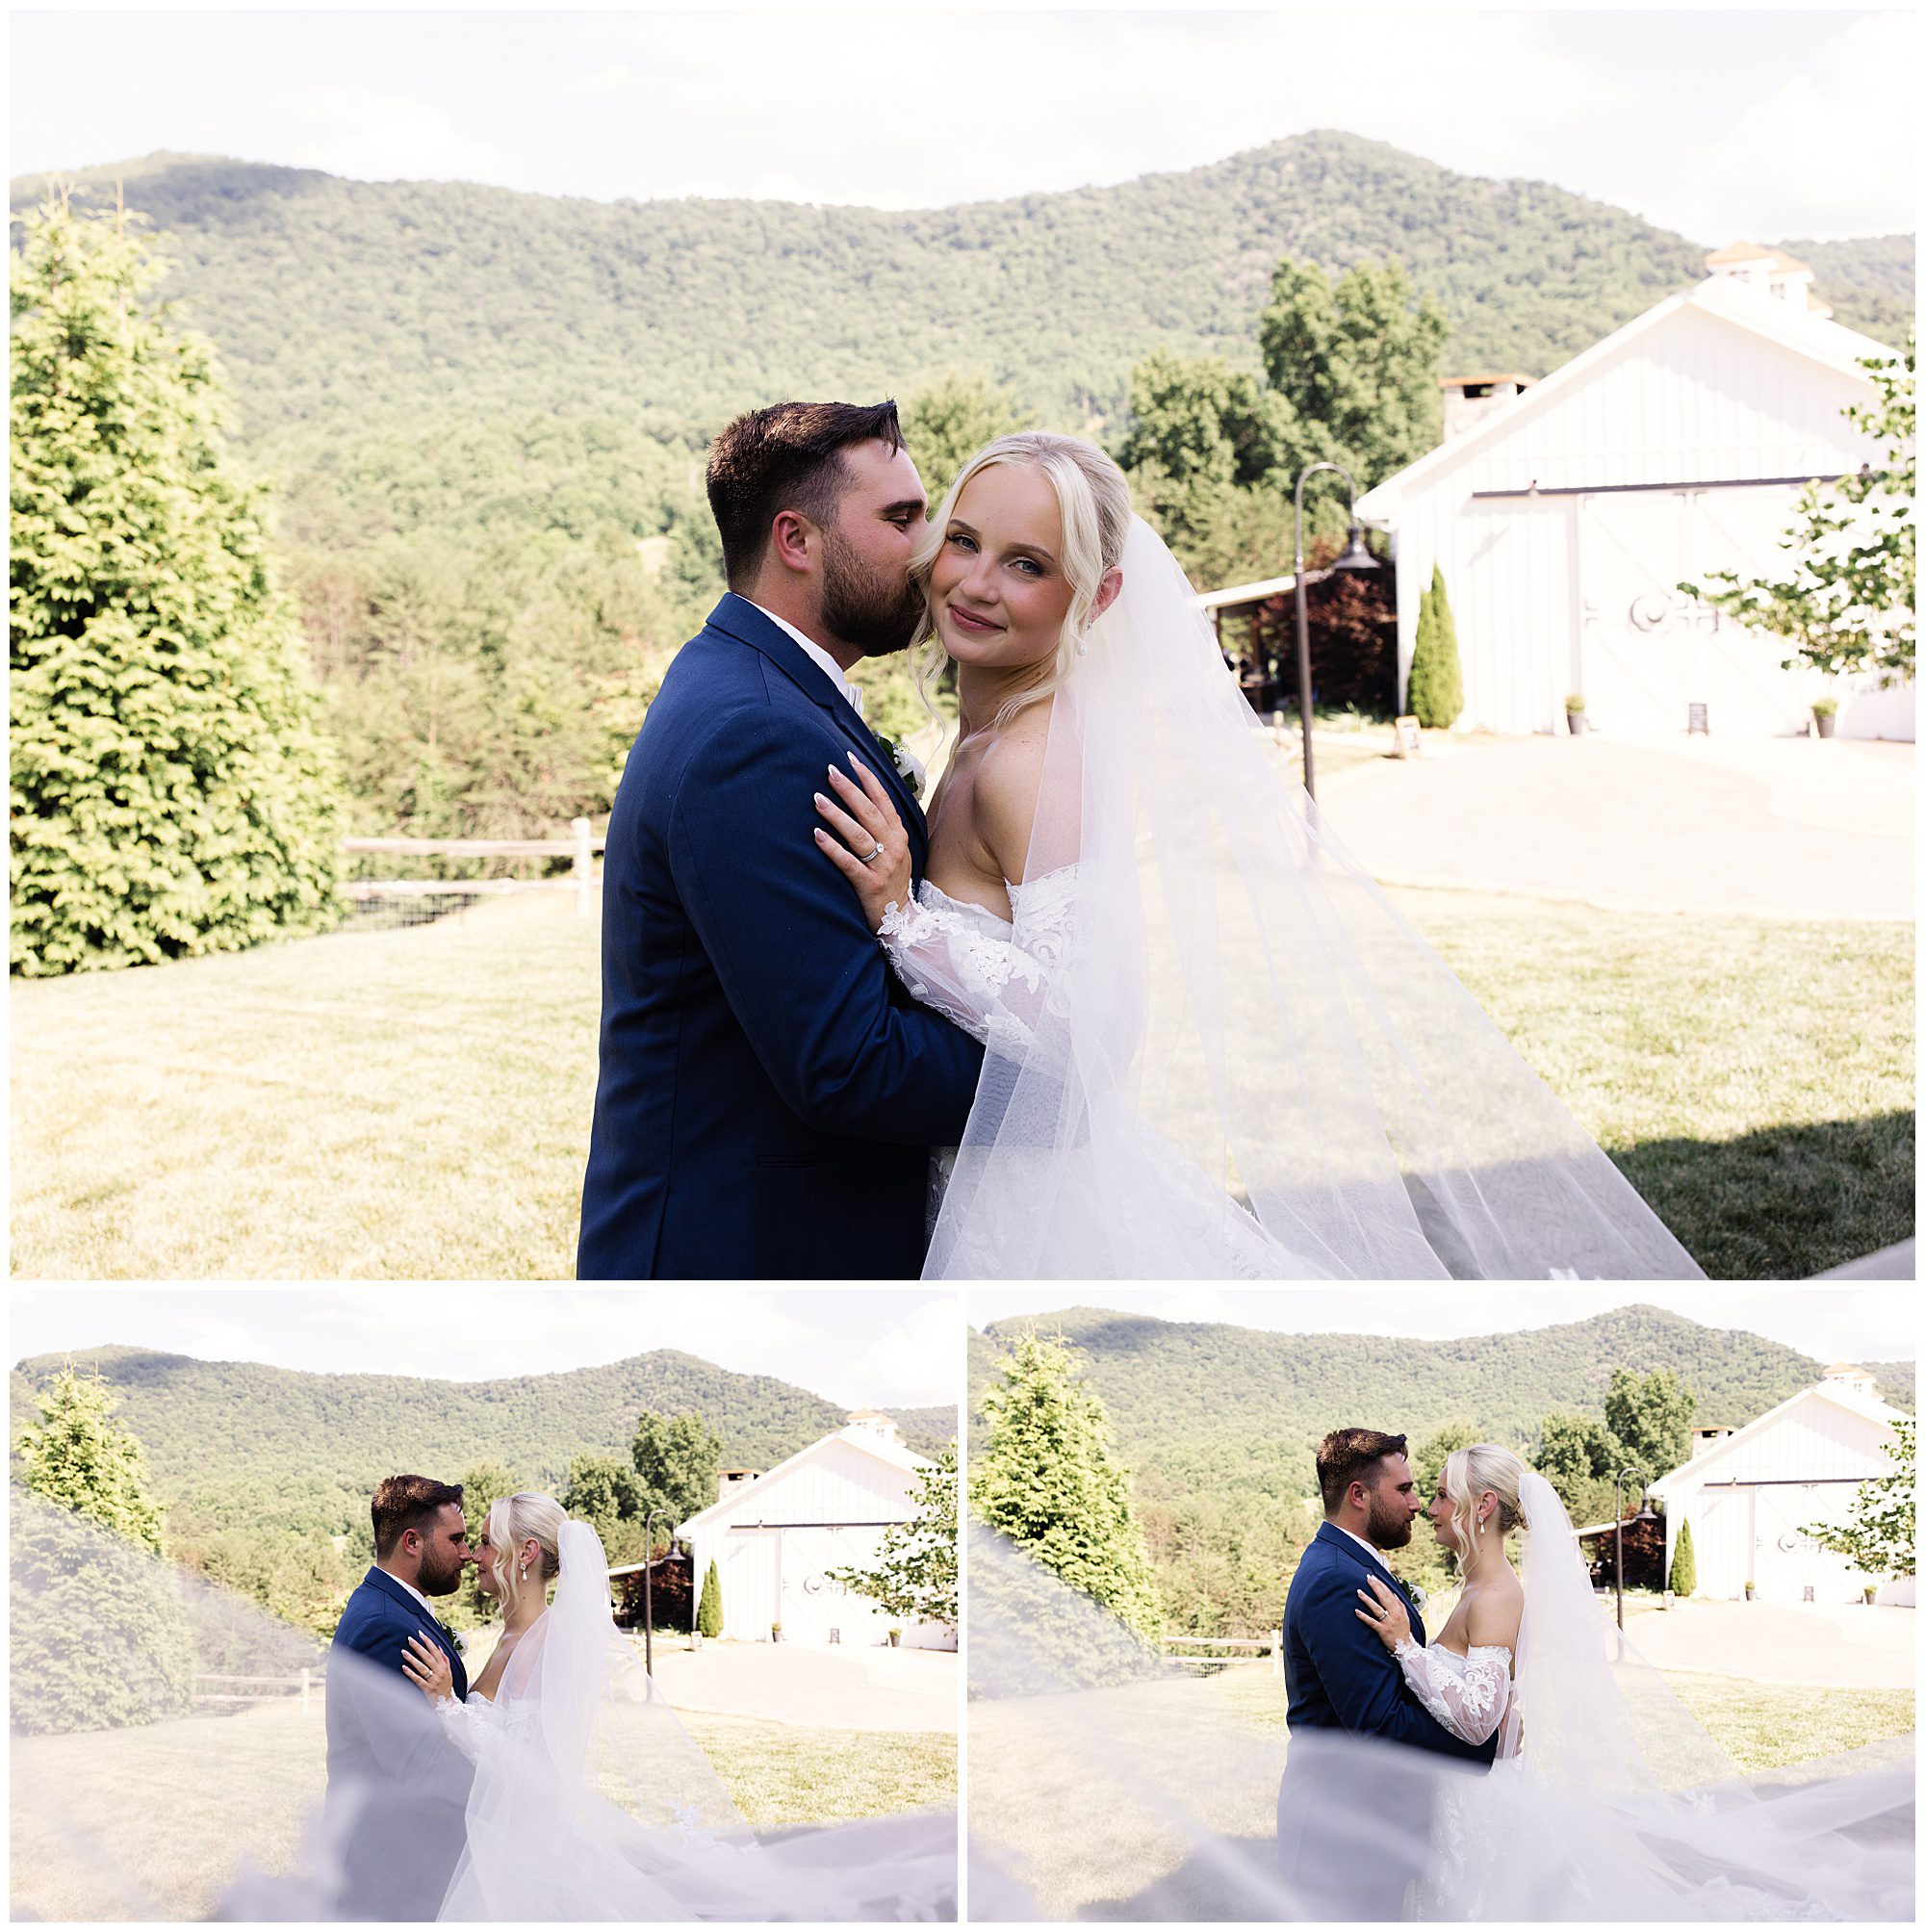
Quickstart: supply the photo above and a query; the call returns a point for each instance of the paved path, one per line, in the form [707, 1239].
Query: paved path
[1780, 828]
[855, 1690]
[1838, 1646]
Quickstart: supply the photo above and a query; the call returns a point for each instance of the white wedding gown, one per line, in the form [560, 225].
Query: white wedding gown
[1214, 1050]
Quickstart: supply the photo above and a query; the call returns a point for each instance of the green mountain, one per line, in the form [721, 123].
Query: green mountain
[393, 342]
[239, 1445]
[1221, 1424]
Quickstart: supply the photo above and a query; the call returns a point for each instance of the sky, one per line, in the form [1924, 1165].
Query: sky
[1833, 1324]
[863, 1348]
[1766, 124]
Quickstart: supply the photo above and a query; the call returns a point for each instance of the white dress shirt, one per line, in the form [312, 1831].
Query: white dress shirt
[834, 671]
[1369, 1549]
[411, 1590]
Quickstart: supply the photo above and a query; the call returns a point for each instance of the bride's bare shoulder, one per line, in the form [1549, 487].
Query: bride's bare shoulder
[1009, 779]
[1496, 1612]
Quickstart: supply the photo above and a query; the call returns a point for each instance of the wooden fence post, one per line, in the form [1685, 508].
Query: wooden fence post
[1276, 1653]
[585, 869]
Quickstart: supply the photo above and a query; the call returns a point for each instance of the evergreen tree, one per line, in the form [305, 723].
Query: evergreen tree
[1684, 1563]
[677, 1461]
[1650, 1416]
[79, 1457]
[1049, 1480]
[171, 795]
[945, 425]
[914, 1573]
[1436, 692]
[482, 1486]
[708, 1614]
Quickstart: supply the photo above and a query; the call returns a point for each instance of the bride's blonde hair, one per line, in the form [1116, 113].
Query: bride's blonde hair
[1470, 1473]
[1093, 501]
[511, 1522]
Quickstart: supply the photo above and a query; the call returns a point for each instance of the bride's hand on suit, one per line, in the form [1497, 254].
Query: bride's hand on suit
[426, 1668]
[871, 850]
[1384, 1611]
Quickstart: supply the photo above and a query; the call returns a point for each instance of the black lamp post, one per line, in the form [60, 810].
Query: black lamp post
[648, 1585]
[1644, 1515]
[1355, 557]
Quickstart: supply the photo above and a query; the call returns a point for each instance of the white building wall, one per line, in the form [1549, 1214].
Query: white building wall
[1554, 594]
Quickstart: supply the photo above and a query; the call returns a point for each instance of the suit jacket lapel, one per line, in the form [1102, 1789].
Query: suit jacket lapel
[428, 1621]
[737, 618]
[1373, 1560]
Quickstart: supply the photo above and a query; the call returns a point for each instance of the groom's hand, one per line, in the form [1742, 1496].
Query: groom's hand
[1384, 1611]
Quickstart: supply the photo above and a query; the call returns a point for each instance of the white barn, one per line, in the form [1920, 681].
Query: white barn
[1748, 1494]
[773, 1537]
[1565, 513]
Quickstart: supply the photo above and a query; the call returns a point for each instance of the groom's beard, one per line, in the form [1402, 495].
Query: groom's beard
[1389, 1527]
[438, 1583]
[874, 610]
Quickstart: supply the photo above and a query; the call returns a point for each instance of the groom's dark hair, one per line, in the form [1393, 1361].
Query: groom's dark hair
[404, 1503]
[1348, 1455]
[785, 457]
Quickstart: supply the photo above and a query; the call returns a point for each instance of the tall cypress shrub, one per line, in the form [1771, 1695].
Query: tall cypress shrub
[708, 1613]
[1684, 1563]
[1436, 698]
[171, 795]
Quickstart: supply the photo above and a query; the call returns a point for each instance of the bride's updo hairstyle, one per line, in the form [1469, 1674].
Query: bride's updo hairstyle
[511, 1522]
[1470, 1473]
[1095, 503]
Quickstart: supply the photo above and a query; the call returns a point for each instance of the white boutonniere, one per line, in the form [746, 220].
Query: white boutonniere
[910, 769]
[1415, 1592]
[457, 1639]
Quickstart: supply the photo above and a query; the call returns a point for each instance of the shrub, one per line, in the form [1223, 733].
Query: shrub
[708, 1613]
[1436, 698]
[1684, 1563]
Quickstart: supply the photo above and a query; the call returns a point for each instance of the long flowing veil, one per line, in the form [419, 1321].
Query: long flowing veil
[1246, 1062]
[1109, 1782]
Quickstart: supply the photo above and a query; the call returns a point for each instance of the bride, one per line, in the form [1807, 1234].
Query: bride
[1215, 1048]
[562, 1721]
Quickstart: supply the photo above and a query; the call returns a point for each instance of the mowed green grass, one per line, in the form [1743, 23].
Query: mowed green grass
[417, 1104]
[148, 1823]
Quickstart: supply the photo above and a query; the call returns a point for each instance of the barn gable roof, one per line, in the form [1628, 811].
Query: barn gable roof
[1794, 330]
[1859, 1405]
[867, 1440]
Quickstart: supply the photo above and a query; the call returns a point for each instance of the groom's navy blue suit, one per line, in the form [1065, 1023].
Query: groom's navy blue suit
[769, 1093]
[396, 1787]
[1338, 1677]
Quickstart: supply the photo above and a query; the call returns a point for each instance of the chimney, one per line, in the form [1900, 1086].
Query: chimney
[1852, 1379]
[1770, 271]
[1469, 398]
[732, 1479]
[873, 1422]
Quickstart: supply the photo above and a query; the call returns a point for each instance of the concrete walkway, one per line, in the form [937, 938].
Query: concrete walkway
[831, 1689]
[1837, 1646]
[1776, 828]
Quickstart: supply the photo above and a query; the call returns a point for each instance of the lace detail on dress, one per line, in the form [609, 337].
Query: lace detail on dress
[473, 1725]
[988, 976]
[1469, 1694]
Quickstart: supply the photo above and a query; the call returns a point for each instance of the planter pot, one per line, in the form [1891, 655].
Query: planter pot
[895, 1637]
[1667, 1600]
[1827, 726]
[1748, 1593]
[1576, 723]
[776, 1635]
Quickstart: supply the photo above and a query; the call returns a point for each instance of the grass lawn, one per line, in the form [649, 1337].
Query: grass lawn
[417, 1103]
[157, 1807]
[1038, 1789]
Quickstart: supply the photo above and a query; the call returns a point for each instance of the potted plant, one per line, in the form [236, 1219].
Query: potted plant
[1750, 1588]
[776, 1630]
[1574, 714]
[1825, 712]
[1871, 1593]
[895, 1638]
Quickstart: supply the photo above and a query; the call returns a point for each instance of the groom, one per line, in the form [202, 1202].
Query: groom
[1338, 1677]
[769, 1093]
[395, 1792]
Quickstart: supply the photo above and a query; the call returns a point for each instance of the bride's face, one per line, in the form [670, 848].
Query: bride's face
[486, 1554]
[997, 592]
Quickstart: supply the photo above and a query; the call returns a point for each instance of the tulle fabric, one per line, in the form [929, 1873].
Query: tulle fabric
[1103, 1784]
[578, 1794]
[1242, 1062]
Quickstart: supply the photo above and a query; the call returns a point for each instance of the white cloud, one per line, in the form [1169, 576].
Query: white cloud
[918, 1362]
[381, 137]
[617, 79]
[1830, 152]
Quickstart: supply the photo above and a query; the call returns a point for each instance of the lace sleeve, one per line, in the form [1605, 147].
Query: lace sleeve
[992, 979]
[1467, 1694]
[477, 1726]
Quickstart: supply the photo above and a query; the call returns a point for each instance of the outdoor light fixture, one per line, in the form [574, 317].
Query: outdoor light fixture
[648, 1585]
[1355, 557]
[1644, 1515]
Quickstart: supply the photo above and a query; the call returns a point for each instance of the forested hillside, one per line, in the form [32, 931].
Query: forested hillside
[1220, 1423]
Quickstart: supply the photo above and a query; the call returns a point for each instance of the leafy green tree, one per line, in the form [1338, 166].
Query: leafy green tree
[915, 1572]
[605, 1491]
[1436, 692]
[170, 794]
[79, 1457]
[1048, 1479]
[1356, 363]
[1579, 1457]
[1881, 1536]
[482, 1486]
[676, 1461]
[1650, 1416]
[1684, 1563]
[1849, 600]
[708, 1613]
[946, 424]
